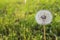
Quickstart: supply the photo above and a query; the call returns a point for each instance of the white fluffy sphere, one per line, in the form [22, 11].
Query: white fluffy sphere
[43, 17]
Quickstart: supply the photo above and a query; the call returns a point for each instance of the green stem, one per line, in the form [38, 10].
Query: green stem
[56, 38]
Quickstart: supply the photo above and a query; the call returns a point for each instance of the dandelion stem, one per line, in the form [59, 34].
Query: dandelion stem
[56, 38]
[44, 32]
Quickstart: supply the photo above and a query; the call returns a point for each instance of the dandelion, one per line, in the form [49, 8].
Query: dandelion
[43, 17]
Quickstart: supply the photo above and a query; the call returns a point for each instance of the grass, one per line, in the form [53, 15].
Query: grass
[17, 19]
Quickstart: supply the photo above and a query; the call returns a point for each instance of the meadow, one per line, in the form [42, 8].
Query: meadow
[17, 19]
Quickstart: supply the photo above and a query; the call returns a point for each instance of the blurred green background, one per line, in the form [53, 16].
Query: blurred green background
[17, 19]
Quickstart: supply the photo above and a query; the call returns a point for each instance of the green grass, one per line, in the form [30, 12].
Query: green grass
[17, 19]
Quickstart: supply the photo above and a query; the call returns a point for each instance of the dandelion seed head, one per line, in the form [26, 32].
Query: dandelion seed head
[43, 17]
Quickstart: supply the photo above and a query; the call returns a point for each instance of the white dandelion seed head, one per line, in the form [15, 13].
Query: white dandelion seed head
[43, 17]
